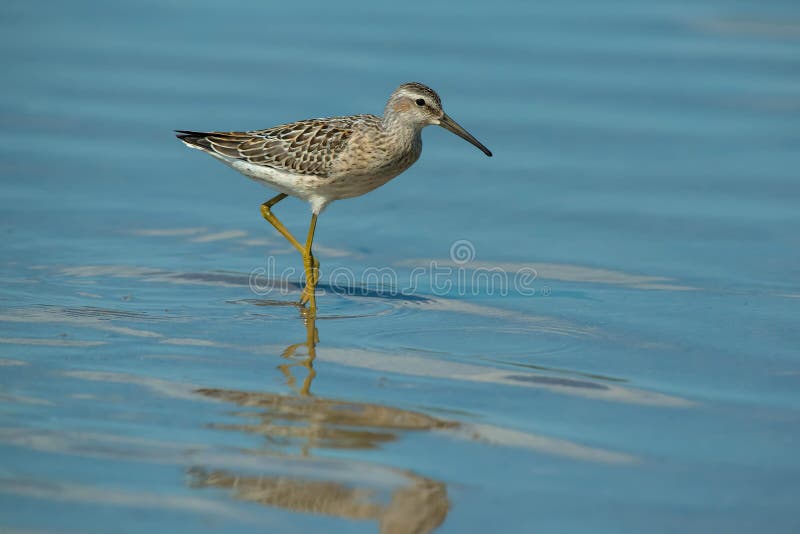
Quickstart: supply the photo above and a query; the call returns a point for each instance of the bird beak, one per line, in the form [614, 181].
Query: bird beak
[450, 124]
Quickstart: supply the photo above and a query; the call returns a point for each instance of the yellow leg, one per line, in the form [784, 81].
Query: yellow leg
[311, 266]
[266, 212]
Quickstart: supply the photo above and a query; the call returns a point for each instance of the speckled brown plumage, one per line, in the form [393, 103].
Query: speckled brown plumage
[307, 147]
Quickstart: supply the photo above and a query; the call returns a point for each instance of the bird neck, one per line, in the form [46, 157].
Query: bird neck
[398, 126]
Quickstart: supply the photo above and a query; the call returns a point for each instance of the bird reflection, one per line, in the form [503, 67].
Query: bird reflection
[298, 425]
[420, 507]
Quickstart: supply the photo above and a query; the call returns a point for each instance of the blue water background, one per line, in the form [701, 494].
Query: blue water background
[646, 172]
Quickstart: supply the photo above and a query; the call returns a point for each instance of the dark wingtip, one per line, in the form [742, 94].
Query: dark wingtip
[488, 152]
[183, 134]
[194, 139]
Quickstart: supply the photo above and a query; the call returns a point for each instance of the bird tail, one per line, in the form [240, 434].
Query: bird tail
[192, 139]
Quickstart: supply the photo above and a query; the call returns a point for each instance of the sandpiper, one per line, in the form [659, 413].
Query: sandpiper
[322, 160]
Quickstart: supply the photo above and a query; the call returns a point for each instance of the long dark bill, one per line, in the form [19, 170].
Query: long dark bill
[453, 126]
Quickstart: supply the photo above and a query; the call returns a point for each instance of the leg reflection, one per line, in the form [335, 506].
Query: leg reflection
[304, 359]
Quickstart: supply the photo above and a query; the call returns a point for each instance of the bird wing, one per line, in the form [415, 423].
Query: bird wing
[303, 147]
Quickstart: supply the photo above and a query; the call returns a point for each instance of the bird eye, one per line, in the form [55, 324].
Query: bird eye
[420, 102]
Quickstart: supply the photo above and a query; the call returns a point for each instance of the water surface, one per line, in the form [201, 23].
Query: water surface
[593, 331]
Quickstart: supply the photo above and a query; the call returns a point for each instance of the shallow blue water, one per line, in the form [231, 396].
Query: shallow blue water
[593, 331]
